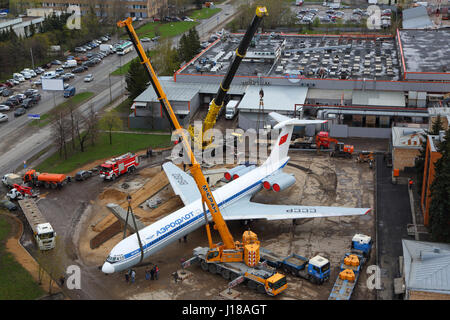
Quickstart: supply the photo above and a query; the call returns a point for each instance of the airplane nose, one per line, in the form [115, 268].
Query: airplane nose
[107, 268]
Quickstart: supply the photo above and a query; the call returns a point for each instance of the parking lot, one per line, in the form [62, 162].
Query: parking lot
[306, 14]
[72, 71]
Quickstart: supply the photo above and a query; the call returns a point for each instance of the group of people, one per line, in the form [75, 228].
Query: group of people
[130, 275]
[152, 274]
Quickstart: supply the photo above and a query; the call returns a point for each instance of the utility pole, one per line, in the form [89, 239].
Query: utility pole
[110, 92]
[32, 59]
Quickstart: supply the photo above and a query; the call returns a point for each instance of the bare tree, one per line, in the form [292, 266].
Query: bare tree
[60, 128]
[92, 123]
[81, 129]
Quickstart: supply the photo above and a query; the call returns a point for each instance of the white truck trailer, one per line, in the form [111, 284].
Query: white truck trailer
[42, 230]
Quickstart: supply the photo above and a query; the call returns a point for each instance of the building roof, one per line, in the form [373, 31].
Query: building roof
[416, 18]
[432, 139]
[182, 91]
[329, 94]
[407, 138]
[378, 98]
[276, 98]
[426, 50]
[426, 266]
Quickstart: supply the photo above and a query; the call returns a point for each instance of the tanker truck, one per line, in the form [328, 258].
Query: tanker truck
[47, 180]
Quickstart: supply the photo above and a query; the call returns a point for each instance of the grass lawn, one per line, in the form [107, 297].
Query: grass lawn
[164, 29]
[124, 106]
[76, 100]
[204, 13]
[15, 282]
[122, 143]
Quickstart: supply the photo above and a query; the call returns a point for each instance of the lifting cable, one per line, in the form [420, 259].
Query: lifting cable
[130, 211]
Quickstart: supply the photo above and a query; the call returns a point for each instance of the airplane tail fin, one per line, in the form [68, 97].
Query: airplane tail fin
[280, 148]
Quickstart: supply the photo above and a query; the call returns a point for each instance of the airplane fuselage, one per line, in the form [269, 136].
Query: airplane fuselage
[158, 235]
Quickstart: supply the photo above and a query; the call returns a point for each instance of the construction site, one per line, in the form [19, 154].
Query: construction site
[320, 180]
[302, 216]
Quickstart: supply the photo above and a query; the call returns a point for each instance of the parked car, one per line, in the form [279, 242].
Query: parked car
[27, 103]
[8, 205]
[80, 49]
[14, 99]
[145, 39]
[88, 78]
[13, 82]
[56, 62]
[4, 107]
[78, 70]
[30, 92]
[19, 111]
[83, 175]
[36, 97]
[37, 82]
[3, 117]
[7, 84]
[69, 92]
[11, 103]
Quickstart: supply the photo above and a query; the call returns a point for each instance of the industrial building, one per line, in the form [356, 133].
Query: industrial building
[406, 144]
[416, 18]
[185, 99]
[431, 156]
[362, 84]
[21, 26]
[426, 270]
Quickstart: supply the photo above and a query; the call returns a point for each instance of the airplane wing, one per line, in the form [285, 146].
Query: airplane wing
[182, 184]
[244, 209]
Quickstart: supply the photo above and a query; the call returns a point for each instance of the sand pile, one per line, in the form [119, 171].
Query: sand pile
[113, 195]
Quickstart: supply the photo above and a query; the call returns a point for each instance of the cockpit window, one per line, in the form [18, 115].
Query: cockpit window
[113, 259]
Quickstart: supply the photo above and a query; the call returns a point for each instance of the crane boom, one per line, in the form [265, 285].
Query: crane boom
[205, 191]
[217, 102]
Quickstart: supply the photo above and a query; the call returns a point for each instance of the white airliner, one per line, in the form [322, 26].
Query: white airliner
[233, 200]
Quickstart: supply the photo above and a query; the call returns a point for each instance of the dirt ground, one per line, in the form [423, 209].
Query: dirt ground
[321, 180]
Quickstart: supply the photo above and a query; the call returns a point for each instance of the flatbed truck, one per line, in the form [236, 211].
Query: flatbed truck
[315, 270]
[43, 231]
[262, 278]
[351, 268]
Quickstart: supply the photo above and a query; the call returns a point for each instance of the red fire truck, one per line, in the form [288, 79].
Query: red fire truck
[113, 168]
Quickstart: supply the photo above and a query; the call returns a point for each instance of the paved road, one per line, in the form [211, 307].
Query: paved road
[19, 142]
[393, 214]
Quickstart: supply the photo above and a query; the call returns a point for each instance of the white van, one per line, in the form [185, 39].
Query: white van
[49, 75]
[231, 109]
[70, 64]
[19, 77]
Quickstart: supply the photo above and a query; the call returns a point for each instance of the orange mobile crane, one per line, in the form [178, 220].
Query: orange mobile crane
[244, 256]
